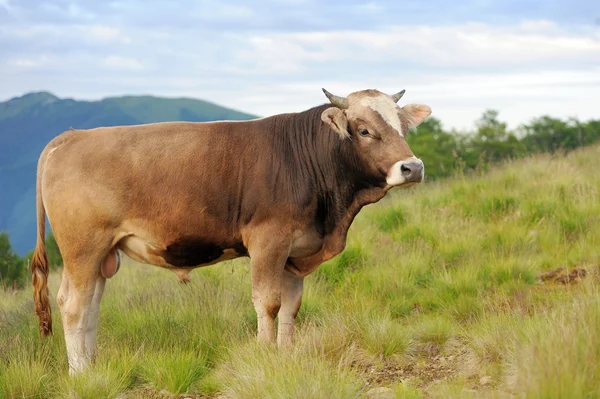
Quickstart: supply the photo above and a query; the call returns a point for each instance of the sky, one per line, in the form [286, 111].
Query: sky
[523, 58]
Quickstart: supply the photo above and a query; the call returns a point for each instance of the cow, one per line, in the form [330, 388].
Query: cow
[281, 190]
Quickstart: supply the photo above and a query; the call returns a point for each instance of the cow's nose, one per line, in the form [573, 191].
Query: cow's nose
[412, 171]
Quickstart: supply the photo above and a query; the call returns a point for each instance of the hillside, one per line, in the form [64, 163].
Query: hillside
[29, 122]
[482, 285]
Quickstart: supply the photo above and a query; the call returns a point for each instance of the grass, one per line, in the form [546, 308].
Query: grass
[437, 295]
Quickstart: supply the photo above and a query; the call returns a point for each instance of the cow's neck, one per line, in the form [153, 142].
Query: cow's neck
[315, 162]
[335, 241]
[338, 205]
[329, 166]
[347, 188]
[361, 198]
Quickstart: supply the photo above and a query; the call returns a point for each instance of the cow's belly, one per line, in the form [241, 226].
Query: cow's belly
[191, 252]
[178, 254]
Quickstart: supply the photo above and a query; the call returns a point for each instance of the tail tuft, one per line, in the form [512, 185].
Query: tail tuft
[39, 274]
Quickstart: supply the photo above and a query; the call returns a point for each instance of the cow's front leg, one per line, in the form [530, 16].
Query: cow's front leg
[291, 298]
[269, 254]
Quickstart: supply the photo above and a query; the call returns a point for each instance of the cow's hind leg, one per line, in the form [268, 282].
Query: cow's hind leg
[92, 323]
[110, 266]
[79, 300]
[291, 298]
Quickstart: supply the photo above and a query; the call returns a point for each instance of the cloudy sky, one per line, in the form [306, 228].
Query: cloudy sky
[524, 58]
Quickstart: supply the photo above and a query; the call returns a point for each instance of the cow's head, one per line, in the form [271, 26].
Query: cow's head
[377, 127]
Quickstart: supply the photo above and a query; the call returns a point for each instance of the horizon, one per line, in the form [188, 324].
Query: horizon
[466, 130]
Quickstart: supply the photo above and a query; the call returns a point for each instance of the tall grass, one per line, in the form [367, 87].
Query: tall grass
[437, 295]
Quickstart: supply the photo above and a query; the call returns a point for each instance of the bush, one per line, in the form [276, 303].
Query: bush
[12, 267]
[445, 152]
[52, 251]
[14, 270]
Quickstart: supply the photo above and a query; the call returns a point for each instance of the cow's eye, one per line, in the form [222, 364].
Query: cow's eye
[363, 132]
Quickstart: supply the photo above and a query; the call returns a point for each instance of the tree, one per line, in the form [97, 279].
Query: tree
[434, 146]
[52, 251]
[590, 132]
[12, 267]
[547, 134]
[54, 256]
[493, 141]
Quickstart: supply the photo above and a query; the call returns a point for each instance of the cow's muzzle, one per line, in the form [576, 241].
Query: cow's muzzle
[410, 170]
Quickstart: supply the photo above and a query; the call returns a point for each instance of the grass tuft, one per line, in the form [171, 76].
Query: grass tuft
[174, 371]
[252, 371]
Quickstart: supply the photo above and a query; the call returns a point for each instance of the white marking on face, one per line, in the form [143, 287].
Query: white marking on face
[386, 107]
[395, 176]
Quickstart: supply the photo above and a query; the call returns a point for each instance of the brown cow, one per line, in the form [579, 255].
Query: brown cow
[282, 190]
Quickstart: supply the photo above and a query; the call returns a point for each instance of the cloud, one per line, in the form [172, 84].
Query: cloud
[104, 33]
[120, 62]
[26, 63]
[472, 45]
[274, 56]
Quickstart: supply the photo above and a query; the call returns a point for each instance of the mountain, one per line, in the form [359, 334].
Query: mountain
[29, 122]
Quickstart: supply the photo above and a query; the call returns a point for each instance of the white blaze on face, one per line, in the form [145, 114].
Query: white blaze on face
[386, 107]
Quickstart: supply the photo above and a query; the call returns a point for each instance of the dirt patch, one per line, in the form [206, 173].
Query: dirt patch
[150, 393]
[421, 372]
[422, 367]
[435, 369]
[564, 275]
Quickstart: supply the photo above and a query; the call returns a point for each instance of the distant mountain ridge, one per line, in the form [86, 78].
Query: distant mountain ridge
[29, 122]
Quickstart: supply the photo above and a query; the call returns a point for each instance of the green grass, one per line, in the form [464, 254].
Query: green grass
[437, 295]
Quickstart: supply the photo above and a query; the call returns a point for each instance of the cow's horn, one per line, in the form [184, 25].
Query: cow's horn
[340, 102]
[396, 97]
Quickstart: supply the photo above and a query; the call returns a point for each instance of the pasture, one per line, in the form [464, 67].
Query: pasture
[450, 289]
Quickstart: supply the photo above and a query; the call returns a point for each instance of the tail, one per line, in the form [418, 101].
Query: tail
[39, 261]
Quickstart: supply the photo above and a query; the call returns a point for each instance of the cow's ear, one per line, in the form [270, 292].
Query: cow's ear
[416, 114]
[336, 119]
